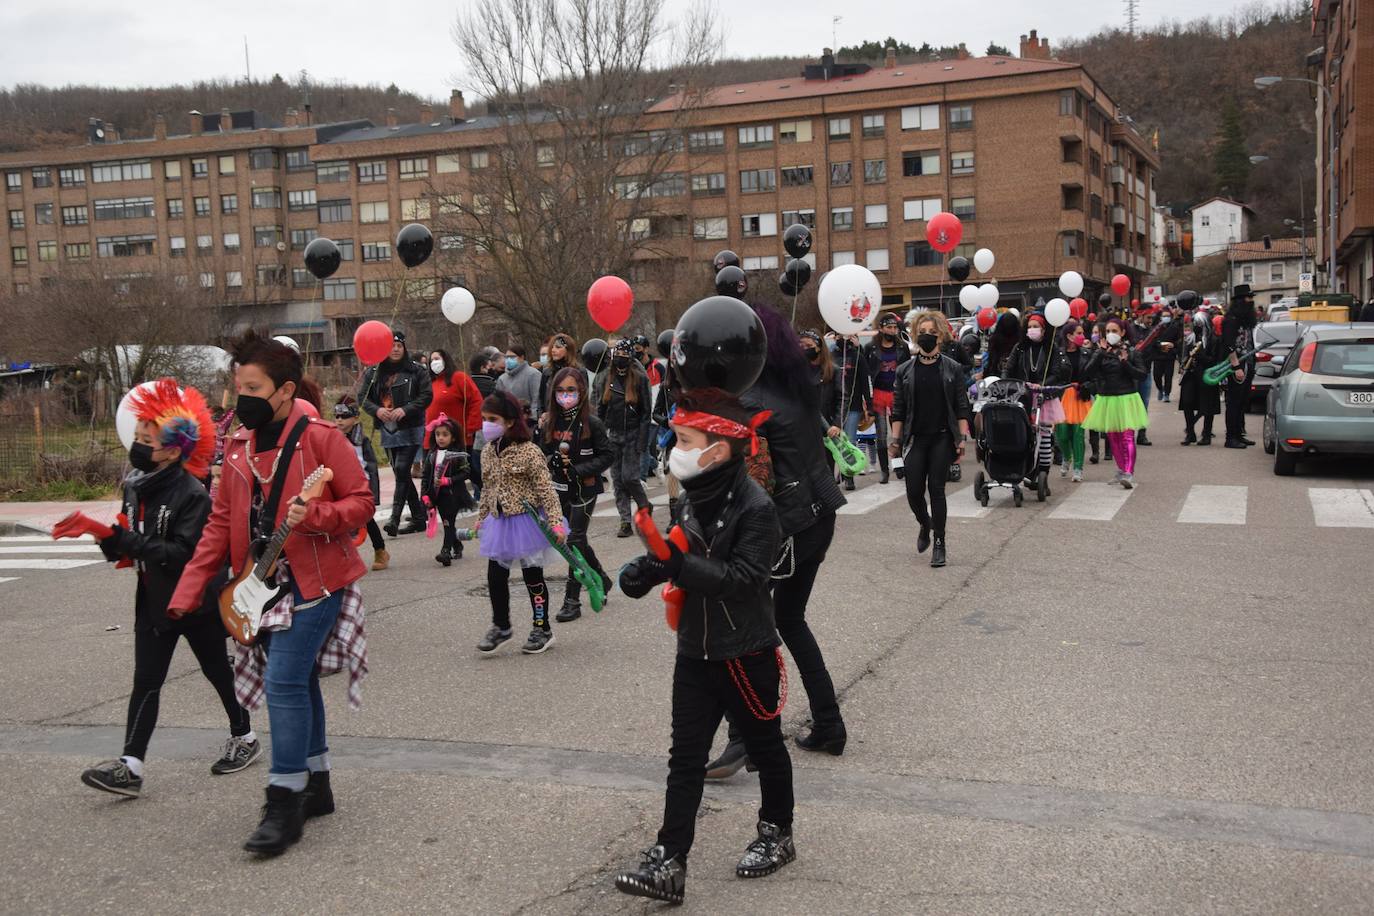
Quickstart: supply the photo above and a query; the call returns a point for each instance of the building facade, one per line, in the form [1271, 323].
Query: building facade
[1218, 223]
[1272, 272]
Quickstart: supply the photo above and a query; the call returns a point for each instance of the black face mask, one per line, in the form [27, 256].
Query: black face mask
[927, 342]
[253, 412]
[620, 363]
[811, 355]
[141, 457]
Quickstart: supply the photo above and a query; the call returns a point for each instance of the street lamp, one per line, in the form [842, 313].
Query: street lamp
[1302, 210]
[1264, 82]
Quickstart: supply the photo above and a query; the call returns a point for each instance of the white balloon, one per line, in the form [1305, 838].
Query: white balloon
[458, 305]
[1071, 283]
[849, 298]
[1057, 311]
[988, 295]
[1015, 311]
[126, 423]
[287, 341]
[969, 297]
[983, 260]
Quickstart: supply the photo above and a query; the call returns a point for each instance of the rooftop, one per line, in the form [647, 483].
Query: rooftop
[1281, 249]
[1225, 200]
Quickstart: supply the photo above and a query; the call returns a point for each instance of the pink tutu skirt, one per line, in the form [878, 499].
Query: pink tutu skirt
[1051, 412]
[512, 540]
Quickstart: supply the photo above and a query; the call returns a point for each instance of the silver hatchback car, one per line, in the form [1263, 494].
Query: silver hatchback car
[1322, 402]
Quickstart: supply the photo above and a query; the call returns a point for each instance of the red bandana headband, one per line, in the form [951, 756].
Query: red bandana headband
[720, 426]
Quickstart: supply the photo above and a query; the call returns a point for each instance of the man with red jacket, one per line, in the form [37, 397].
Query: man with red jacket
[317, 627]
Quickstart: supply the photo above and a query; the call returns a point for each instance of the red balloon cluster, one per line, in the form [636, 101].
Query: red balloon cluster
[1078, 307]
[944, 232]
[1121, 284]
[372, 342]
[986, 318]
[610, 301]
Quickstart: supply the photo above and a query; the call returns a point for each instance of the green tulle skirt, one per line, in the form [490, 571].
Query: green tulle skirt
[1116, 413]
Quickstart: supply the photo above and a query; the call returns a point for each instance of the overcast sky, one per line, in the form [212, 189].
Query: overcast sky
[155, 42]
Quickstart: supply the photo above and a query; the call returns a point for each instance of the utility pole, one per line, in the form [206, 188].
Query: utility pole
[1132, 15]
[835, 30]
[247, 70]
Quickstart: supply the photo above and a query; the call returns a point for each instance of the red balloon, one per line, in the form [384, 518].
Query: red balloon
[1078, 307]
[943, 232]
[1092, 316]
[1135, 303]
[372, 342]
[610, 301]
[1121, 284]
[986, 318]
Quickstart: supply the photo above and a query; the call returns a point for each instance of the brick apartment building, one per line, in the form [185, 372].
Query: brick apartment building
[1030, 152]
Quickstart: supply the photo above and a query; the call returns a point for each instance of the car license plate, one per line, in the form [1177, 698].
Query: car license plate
[1360, 398]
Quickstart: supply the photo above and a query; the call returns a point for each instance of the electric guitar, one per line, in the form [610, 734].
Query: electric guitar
[253, 591]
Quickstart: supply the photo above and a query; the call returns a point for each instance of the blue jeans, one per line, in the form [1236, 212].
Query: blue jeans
[295, 706]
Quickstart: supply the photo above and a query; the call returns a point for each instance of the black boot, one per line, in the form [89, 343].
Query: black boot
[1206, 439]
[937, 553]
[828, 738]
[1142, 439]
[444, 557]
[729, 762]
[624, 531]
[923, 539]
[393, 527]
[884, 466]
[849, 483]
[571, 609]
[769, 852]
[1189, 438]
[282, 823]
[657, 877]
[318, 799]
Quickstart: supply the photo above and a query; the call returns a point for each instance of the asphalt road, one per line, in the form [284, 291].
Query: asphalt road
[1160, 703]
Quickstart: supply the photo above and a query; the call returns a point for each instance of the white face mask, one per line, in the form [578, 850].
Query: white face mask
[436, 366]
[684, 464]
[1113, 338]
[1166, 319]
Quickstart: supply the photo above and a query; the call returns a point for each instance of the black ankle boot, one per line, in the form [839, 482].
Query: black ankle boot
[282, 823]
[828, 738]
[318, 799]
[849, 484]
[729, 762]
[657, 877]
[937, 553]
[769, 852]
[571, 610]
[444, 557]
[923, 540]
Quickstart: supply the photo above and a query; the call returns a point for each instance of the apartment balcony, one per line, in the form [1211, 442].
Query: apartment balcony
[1120, 257]
[1118, 174]
[1118, 215]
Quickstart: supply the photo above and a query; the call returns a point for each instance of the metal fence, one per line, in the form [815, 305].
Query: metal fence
[44, 442]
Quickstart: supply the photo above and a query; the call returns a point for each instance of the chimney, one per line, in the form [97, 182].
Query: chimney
[197, 123]
[1034, 48]
[426, 113]
[391, 117]
[159, 128]
[457, 110]
[962, 53]
[226, 121]
[890, 60]
[292, 118]
[827, 62]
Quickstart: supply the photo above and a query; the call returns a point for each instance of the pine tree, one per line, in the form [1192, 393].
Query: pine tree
[1230, 161]
[994, 49]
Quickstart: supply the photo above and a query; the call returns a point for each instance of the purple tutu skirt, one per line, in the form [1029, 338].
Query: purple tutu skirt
[513, 539]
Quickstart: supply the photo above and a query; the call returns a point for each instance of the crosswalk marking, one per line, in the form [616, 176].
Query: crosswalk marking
[44, 539]
[4, 579]
[50, 548]
[1214, 505]
[1098, 502]
[862, 502]
[962, 503]
[45, 563]
[1342, 508]
[653, 489]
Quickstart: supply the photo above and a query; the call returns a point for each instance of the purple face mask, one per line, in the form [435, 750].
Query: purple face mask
[566, 399]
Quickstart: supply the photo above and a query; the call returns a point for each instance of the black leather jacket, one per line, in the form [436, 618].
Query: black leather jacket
[829, 393]
[804, 489]
[1042, 363]
[167, 510]
[410, 389]
[589, 459]
[956, 397]
[726, 576]
[1111, 376]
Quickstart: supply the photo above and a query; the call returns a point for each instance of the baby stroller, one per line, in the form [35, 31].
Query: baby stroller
[1007, 443]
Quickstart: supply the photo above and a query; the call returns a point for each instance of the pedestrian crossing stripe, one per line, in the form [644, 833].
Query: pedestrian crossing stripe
[861, 502]
[48, 548]
[46, 563]
[1214, 505]
[44, 539]
[1092, 502]
[4, 579]
[1342, 508]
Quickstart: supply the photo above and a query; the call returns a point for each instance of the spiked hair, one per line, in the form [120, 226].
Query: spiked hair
[182, 421]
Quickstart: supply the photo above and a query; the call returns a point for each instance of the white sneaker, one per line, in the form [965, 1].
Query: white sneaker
[1063, 470]
[1127, 482]
[1078, 475]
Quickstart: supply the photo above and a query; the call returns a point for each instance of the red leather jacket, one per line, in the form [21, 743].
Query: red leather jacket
[320, 551]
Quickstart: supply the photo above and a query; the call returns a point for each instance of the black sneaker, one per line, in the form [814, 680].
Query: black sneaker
[849, 484]
[769, 852]
[238, 755]
[624, 531]
[571, 610]
[540, 638]
[318, 798]
[115, 777]
[444, 558]
[657, 877]
[283, 822]
[495, 636]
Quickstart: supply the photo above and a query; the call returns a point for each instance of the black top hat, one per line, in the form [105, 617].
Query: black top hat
[1242, 291]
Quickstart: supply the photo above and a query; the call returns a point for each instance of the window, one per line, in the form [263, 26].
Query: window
[74, 216]
[271, 275]
[450, 242]
[124, 208]
[226, 165]
[840, 258]
[1073, 244]
[176, 208]
[326, 172]
[233, 279]
[753, 181]
[769, 262]
[920, 162]
[479, 159]
[301, 201]
[266, 236]
[756, 225]
[543, 155]
[806, 217]
[336, 211]
[921, 117]
[77, 251]
[16, 219]
[625, 189]
[876, 259]
[443, 164]
[841, 173]
[875, 216]
[369, 172]
[42, 214]
[263, 159]
[703, 141]
[297, 160]
[710, 227]
[74, 177]
[336, 288]
[229, 203]
[635, 229]
[1070, 149]
[874, 125]
[125, 246]
[794, 132]
[960, 117]
[14, 182]
[201, 205]
[798, 176]
[267, 198]
[1275, 271]
[19, 255]
[1205, 221]
[416, 208]
[962, 207]
[205, 244]
[1247, 273]
[961, 163]
[345, 247]
[1095, 164]
[42, 177]
[1066, 102]
[921, 209]
[376, 251]
[1095, 206]
[838, 129]
[171, 169]
[207, 280]
[920, 254]
[302, 237]
[875, 171]
[376, 289]
[841, 219]
[176, 246]
[756, 136]
[711, 185]
[300, 277]
[410, 169]
[200, 168]
[47, 251]
[1071, 197]
[374, 212]
[231, 243]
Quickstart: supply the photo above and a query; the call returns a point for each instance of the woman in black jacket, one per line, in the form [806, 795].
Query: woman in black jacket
[395, 393]
[625, 405]
[1201, 348]
[1115, 370]
[826, 382]
[574, 440]
[856, 389]
[930, 423]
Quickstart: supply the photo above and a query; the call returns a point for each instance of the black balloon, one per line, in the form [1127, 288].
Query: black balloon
[794, 277]
[593, 352]
[796, 240]
[1187, 299]
[413, 244]
[958, 269]
[719, 343]
[322, 258]
[731, 281]
[1105, 300]
[665, 343]
[724, 258]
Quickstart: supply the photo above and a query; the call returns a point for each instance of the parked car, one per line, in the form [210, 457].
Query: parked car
[1323, 400]
[1278, 309]
[1269, 360]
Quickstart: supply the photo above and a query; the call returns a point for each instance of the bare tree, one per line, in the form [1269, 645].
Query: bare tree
[582, 181]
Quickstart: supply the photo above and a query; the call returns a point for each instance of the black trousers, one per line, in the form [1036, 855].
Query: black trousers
[790, 597]
[498, 586]
[1237, 399]
[578, 512]
[1164, 375]
[401, 461]
[704, 691]
[1190, 417]
[927, 470]
[153, 650]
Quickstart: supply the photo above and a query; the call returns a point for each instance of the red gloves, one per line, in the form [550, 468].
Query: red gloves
[79, 523]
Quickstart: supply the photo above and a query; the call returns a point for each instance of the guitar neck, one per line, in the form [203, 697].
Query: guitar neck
[272, 551]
